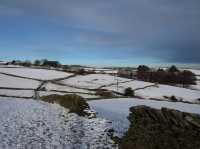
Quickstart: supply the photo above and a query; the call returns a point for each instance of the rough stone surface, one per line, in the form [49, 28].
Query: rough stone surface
[161, 129]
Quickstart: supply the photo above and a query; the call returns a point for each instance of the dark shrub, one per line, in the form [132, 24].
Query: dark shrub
[170, 76]
[81, 72]
[187, 77]
[143, 73]
[173, 69]
[173, 98]
[104, 93]
[51, 63]
[37, 63]
[26, 63]
[43, 89]
[128, 92]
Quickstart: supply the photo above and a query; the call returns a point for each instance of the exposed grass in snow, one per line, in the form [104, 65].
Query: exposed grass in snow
[72, 102]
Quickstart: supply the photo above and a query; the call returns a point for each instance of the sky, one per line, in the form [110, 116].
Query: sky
[101, 32]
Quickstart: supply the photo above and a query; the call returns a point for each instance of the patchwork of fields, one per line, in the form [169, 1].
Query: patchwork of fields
[31, 83]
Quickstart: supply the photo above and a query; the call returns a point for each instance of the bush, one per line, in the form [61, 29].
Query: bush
[104, 93]
[37, 62]
[187, 78]
[51, 63]
[128, 92]
[173, 98]
[81, 72]
[170, 76]
[173, 69]
[26, 63]
[72, 102]
[143, 72]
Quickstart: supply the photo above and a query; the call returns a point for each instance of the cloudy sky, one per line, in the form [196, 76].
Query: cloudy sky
[101, 32]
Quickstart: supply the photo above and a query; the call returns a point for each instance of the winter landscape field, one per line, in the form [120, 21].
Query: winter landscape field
[99, 74]
[27, 121]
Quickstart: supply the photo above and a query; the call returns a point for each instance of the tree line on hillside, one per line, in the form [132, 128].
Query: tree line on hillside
[171, 75]
[43, 62]
[47, 63]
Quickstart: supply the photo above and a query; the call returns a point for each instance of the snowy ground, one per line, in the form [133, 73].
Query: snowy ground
[117, 109]
[93, 81]
[168, 91]
[51, 86]
[195, 71]
[41, 74]
[14, 82]
[39, 125]
[43, 125]
[196, 87]
[82, 84]
[133, 84]
[150, 90]
[17, 93]
[11, 66]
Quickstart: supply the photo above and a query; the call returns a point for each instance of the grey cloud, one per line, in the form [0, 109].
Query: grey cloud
[162, 28]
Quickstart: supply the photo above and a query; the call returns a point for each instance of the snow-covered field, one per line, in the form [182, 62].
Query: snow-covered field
[93, 81]
[35, 124]
[198, 78]
[40, 125]
[41, 74]
[133, 84]
[80, 84]
[168, 91]
[17, 93]
[196, 87]
[15, 82]
[195, 71]
[117, 109]
[149, 90]
[51, 86]
[11, 66]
